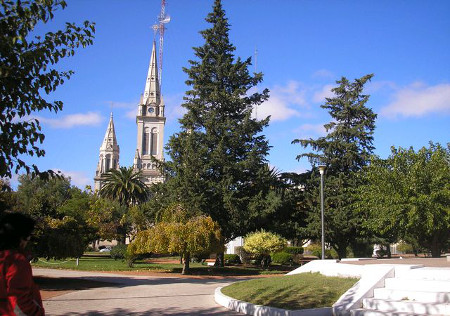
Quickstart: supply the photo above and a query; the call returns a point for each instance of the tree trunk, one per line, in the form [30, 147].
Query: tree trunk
[435, 247]
[341, 251]
[220, 260]
[187, 259]
[122, 239]
[388, 251]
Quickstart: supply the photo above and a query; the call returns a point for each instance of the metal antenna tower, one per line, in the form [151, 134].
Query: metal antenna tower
[256, 68]
[162, 19]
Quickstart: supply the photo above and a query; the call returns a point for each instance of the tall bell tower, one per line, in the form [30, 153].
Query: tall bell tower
[150, 122]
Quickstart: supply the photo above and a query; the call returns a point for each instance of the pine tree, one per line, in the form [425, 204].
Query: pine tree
[218, 159]
[345, 149]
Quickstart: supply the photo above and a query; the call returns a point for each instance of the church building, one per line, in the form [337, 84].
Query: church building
[150, 122]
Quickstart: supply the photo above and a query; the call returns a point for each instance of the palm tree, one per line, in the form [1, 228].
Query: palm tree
[125, 186]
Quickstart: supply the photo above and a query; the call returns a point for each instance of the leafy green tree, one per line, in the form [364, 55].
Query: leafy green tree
[218, 158]
[407, 196]
[264, 243]
[288, 202]
[60, 211]
[107, 218]
[125, 186]
[345, 150]
[7, 197]
[179, 232]
[28, 74]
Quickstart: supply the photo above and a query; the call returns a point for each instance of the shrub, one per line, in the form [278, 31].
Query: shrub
[316, 250]
[200, 257]
[232, 259]
[118, 252]
[283, 258]
[264, 243]
[294, 250]
[245, 256]
[405, 247]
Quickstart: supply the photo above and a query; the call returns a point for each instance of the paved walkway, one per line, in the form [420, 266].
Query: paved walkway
[136, 295]
[426, 262]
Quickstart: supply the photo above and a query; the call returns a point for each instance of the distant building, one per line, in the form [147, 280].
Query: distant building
[150, 122]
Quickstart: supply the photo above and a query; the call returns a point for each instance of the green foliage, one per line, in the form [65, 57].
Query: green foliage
[244, 255]
[407, 196]
[218, 159]
[264, 243]
[195, 235]
[232, 259]
[105, 216]
[294, 250]
[283, 258]
[61, 213]
[125, 186]
[405, 247]
[28, 75]
[345, 150]
[7, 197]
[316, 250]
[59, 238]
[118, 252]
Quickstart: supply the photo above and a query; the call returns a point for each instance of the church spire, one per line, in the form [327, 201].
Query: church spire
[110, 140]
[152, 92]
[109, 154]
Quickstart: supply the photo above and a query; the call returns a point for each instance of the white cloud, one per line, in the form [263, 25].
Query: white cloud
[325, 92]
[419, 100]
[131, 114]
[323, 74]
[77, 178]
[375, 86]
[283, 102]
[73, 120]
[174, 110]
[310, 131]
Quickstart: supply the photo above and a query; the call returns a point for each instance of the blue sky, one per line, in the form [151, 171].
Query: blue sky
[303, 47]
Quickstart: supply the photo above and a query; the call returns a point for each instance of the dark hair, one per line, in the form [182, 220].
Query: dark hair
[13, 228]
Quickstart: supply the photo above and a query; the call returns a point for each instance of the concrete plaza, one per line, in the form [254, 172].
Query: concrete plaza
[136, 295]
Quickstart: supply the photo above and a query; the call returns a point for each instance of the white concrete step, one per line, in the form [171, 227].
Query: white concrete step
[417, 285]
[442, 274]
[413, 307]
[422, 296]
[371, 312]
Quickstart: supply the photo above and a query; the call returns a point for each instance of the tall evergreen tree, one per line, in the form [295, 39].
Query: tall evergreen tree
[218, 158]
[344, 150]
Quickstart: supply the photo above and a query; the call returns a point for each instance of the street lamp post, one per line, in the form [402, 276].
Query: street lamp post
[322, 171]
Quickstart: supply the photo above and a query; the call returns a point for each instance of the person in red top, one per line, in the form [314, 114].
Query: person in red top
[19, 295]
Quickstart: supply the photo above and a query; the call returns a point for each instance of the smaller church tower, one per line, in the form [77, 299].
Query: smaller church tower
[109, 155]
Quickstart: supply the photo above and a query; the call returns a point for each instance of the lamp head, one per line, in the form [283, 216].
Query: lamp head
[322, 169]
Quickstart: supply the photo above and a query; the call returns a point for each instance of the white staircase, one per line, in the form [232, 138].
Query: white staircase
[421, 291]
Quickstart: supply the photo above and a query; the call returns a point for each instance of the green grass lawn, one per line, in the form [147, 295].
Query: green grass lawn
[299, 291]
[102, 262]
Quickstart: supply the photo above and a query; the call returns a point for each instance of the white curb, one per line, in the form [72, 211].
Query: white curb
[259, 310]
